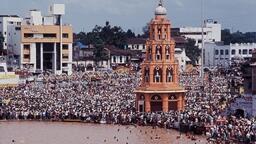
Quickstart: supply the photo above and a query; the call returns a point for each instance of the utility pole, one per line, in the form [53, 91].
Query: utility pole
[202, 43]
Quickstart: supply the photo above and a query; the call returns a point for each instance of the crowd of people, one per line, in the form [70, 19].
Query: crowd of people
[107, 97]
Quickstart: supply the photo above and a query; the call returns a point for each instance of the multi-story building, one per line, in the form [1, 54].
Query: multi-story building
[10, 29]
[160, 89]
[217, 54]
[211, 29]
[45, 43]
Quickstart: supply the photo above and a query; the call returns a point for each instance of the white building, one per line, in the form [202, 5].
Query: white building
[217, 54]
[9, 27]
[212, 32]
[180, 56]
[136, 44]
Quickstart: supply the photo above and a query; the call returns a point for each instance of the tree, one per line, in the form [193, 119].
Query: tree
[130, 34]
[145, 30]
[237, 37]
[192, 51]
[99, 52]
[110, 35]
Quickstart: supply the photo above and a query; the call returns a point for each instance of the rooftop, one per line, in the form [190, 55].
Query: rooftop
[9, 16]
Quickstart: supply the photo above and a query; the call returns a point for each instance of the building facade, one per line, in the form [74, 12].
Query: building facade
[217, 54]
[160, 89]
[136, 44]
[9, 27]
[46, 44]
[245, 106]
[212, 32]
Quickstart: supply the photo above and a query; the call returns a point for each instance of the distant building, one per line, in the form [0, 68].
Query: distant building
[136, 44]
[245, 106]
[212, 32]
[180, 53]
[45, 43]
[10, 29]
[83, 58]
[217, 54]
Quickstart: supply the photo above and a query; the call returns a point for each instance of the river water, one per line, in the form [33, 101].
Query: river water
[81, 133]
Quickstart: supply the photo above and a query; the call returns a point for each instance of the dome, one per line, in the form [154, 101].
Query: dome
[160, 10]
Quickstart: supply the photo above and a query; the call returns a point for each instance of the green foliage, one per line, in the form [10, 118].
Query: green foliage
[99, 52]
[237, 37]
[110, 35]
[145, 30]
[192, 51]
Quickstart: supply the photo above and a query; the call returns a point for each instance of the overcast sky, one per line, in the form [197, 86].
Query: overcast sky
[134, 14]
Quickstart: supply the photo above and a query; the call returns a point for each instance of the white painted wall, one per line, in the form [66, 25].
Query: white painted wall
[141, 47]
[118, 59]
[222, 54]
[180, 55]
[212, 30]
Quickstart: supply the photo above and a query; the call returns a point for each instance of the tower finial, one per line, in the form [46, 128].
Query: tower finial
[160, 3]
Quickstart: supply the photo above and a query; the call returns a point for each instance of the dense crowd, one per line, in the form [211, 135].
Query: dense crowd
[107, 97]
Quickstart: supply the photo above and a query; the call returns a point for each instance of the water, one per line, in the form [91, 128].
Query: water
[81, 133]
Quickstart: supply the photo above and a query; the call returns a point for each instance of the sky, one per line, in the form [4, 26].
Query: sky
[134, 14]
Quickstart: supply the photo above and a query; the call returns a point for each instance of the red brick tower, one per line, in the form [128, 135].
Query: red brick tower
[160, 89]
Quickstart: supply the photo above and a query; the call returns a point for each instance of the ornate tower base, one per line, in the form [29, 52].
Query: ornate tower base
[160, 89]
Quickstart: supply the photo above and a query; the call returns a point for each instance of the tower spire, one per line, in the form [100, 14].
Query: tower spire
[160, 3]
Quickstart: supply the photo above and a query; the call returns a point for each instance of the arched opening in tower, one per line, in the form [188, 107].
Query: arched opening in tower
[156, 103]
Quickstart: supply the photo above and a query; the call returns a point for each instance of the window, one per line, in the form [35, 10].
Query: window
[143, 46]
[65, 47]
[114, 59]
[65, 56]
[146, 75]
[169, 73]
[250, 51]
[226, 52]
[50, 35]
[158, 53]
[216, 52]
[157, 75]
[65, 35]
[64, 64]
[26, 46]
[221, 52]
[17, 28]
[2, 69]
[28, 35]
[121, 59]
[167, 52]
[138, 46]
[26, 56]
[233, 52]
[240, 51]
[245, 51]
